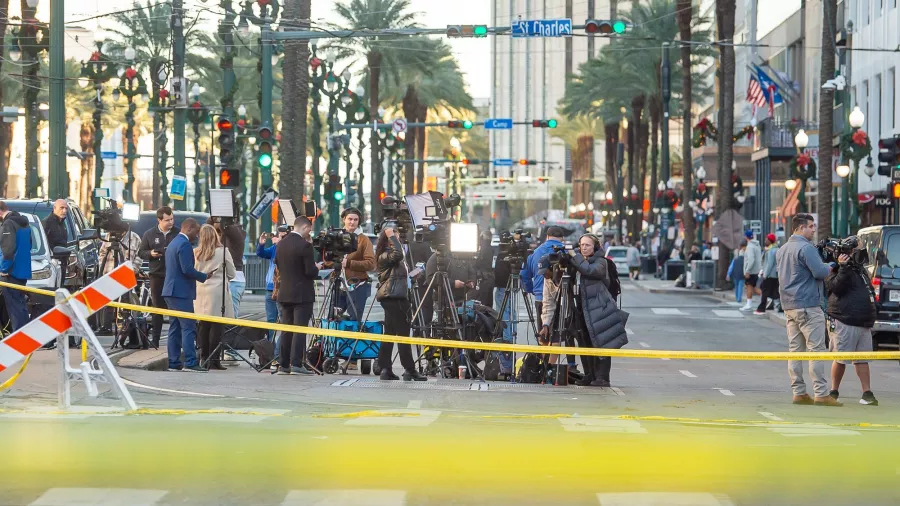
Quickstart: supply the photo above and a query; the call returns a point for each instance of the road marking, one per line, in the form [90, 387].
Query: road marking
[618, 391]
[666, 359]
[396, 418]
[99, 497]
[575, 424]
[158, 389]
[687, 373]
[663, 499]
[644, 345]
[414, 405]
[727, 313]
[771, 416]
[235, 417]
[812, 429]
[629, 332]
[345, 498]
[667, 311]
[727, 393]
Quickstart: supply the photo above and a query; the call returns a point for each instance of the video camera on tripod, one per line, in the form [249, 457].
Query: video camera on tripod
[436, 226]
[396, 215]
[113, 220]
[334, 243]
[515, 247]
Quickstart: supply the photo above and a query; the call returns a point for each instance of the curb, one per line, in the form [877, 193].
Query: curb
[671, 291]
[157, 361]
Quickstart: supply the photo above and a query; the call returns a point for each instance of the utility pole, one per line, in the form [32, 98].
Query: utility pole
[178, 86]
[59, 176]
[226, 33]
[665, 80]
[265, 108]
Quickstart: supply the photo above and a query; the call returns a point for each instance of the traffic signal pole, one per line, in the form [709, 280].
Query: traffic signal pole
[180, 114]
[58, 186]
[266, 111]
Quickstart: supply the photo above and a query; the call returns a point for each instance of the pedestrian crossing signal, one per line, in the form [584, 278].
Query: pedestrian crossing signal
[895, 190]
[229, 178]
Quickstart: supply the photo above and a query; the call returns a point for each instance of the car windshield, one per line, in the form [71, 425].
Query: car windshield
[616, 253]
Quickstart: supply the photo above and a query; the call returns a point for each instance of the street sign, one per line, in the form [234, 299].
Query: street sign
[108, 155]
[399, 125]
[498, 124]
[542, 28]
[503, 162]
[10, 114]
[895, 174]
[263, 203]
[179, 188]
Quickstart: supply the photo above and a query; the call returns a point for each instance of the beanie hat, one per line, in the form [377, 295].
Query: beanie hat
[771, 238]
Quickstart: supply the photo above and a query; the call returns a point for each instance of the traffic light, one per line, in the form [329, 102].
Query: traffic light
[889, 155]
[351, 191]
[229, 178]
[226, 140]
[605, 26]
[381, 195]
[455, 123]
[333, 188]
[523, 162]
[467, 31]
[264, 140]
[544, 123]
[895, 190]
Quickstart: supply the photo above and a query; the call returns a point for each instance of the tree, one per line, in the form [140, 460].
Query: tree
[683, 13]
[578, 133]
[292, 149]
[375, 15]
[5, 128]
[725, 13]
[826, 120]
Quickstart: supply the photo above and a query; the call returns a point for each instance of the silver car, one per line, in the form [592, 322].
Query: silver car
[617, 255]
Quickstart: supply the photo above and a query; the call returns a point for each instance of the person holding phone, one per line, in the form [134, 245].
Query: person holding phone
[153, 250]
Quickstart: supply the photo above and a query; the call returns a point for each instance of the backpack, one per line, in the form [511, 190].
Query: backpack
[531, 369]
[615, 287]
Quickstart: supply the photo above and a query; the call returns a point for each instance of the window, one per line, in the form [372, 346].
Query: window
[37, 241]
[878, 101]
[892, 252]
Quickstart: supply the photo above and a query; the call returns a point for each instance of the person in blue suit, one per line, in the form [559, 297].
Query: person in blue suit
[180, 290]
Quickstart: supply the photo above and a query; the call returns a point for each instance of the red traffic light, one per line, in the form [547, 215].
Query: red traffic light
[229, 178]
[224, 124]
[381, 195]
[594, 26]
[264, 133]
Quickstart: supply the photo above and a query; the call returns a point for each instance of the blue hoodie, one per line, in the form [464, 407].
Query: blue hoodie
[15, 244]
[531, 280]
[268, 253]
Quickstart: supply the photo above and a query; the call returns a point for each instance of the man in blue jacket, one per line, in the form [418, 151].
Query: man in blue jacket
[262, 251]
[15, 267]
[531, 280]
[180, 290]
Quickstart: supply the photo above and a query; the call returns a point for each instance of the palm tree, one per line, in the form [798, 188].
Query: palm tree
[292, 150]
[5, 128]
[725, 13]
[826, 120]
[441, 88]
[579, 133]
[683, 14]
[375, 15]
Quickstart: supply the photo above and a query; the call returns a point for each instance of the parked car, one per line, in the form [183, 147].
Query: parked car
[83, 264]
[44, 270]
[882, 243]
[617, 255]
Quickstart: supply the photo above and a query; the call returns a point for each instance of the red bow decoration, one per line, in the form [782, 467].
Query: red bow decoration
[130, 73]
[803, 160]
[95, 56]
[701, 187]
[859, 137]
[314, 63]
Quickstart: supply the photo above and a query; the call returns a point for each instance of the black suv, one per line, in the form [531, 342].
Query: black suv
[82, 268]
[882, 243]
[147, 220]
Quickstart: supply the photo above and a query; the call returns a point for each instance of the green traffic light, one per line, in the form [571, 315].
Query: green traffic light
[619, 27]
[551, 123]
[339, 195]
[265, 160]
[480, 31]
[467, 124]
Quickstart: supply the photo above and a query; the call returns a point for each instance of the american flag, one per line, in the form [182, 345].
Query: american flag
[755, 93]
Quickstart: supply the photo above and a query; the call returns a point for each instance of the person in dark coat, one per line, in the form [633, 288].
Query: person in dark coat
[55, 225]
[484, 271]
[851, 309]
[297, 293]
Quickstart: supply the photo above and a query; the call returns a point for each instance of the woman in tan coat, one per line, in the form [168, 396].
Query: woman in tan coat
[208, 256]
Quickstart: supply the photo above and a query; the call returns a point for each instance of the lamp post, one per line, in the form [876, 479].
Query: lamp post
[160, 104]
[319, 68]
[29, 41]
[335, 88]
[131, 84]
[802, 168]
[98, 70]
[197, 115]
[857, 119]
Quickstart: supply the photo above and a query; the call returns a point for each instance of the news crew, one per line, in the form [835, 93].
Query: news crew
[153, 249]
[393, 295]
[296, 293]
[357, 266]
[262, 251]
[55, 225]
[800, 273]
[851, 314]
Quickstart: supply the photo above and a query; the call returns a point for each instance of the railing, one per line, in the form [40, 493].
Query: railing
[779, 134]
[255, 269]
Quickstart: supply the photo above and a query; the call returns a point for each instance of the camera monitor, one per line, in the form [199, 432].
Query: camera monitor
[131, 212]
[101, 193]
[424, 208]
[464, 238]
[308, 210]
[286, 207]
[221, 203]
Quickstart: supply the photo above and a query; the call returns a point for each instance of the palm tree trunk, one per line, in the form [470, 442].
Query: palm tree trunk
[642, 183]
[422, 148]
[634, 128]
[611, 131]
[826, 122]
[655, 114]
[86, 142]
[5, 128]
[725, 12]
[374, 62]
[581, 163]
[292, 162]
[683, 15]
[410, 103]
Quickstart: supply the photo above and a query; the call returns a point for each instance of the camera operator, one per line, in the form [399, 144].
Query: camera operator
[153, 249]
[484, 271]
[393, 294]
[234, 237]
[800, 271]
[599, 323]
[532, 281]
[296, 293]
[55, 225]
[461, 275]
[357, 266]
[851, 315]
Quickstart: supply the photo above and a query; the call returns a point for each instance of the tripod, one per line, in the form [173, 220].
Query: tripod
[338, 283]
[511, 301]
[121, 329]
[445, 304]
[563, 322]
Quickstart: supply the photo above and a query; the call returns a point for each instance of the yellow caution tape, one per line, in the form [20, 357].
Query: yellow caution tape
[84, 349]
[518, 348]
[12, 380]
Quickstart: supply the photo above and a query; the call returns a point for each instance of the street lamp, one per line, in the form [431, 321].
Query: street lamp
[790, 184]
[131, 84]
[857, 118]
[843, 170]
[801, 139]
[609, 195]
[99, 69]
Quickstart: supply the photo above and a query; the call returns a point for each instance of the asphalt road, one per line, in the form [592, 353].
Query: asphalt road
[673, 432]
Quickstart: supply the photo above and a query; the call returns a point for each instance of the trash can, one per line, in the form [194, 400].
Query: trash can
[673, 269]
[702, 273]
[648, 264]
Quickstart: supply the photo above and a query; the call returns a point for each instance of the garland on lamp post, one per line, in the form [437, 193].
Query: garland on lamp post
[705, 128]
[99, 69]
[856, 145]
[131, 84]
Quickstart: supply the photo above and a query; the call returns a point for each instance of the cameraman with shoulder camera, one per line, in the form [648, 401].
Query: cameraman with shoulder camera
[357, 266]
[153, 249]
[851, 315]
[800, 271]
[532, 281]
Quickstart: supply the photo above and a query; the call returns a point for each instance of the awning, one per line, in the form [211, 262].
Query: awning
[789, 208]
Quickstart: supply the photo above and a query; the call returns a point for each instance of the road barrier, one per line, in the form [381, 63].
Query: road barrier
[495, 346]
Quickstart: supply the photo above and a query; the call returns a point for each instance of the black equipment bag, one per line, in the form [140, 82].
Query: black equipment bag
[265, 350]
[242, 338]
[532, 369]
[135, 330]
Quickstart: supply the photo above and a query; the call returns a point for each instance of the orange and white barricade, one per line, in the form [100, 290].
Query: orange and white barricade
[69, 317]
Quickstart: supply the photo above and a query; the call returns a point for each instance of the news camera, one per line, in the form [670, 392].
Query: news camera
[515, 247]
[335, 243]
[436, 232]
[559, 258]
[830, 249]
[110, 219]
[396, 215]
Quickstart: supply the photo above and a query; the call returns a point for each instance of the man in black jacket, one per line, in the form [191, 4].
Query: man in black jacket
[153, 249]
[851, 315]
[296, 293]
[55, 225]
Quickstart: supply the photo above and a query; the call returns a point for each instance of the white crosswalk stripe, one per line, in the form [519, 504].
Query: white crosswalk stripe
[345, 498]
[577, 424]
[99, 497]
[728, 313]
[671, 311]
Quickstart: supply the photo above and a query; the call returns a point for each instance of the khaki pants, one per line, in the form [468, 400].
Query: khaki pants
[806, 332]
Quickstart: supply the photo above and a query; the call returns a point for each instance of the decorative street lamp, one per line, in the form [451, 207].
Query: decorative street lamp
[803, 167]
[98, 70]
[855, 146]
[131, 84]
[160, 105]
[333, 86]
[197, 114]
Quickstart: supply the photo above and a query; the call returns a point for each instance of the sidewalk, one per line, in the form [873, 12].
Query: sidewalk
[774, 316]
[653, 285]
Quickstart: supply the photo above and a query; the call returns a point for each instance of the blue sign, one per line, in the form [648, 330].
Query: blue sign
[178, 188]
[542, 28]
[108, 155]
[498, 124]
[503, 162]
